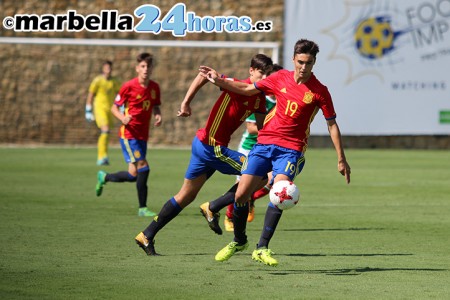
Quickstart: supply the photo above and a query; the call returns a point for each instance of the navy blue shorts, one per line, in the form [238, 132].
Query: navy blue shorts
[206, 159]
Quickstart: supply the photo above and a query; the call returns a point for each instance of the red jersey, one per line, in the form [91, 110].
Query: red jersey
[227, 114]
[139, 102]
[288, 124]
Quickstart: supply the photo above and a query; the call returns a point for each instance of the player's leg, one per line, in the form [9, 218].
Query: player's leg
[102, 118]
[228, 220]
[256, 195]
[128, 147]
[226, 161]
[143, 172]
[246, 185]
[286, 166]
[224, 200]
[210, 210]
[256, 168]
[196, 175]
[169, 211]
[173, 207]
[273, 215]
[227, 200]
[264, 190]
[102, 147]
[103, 178]
[141, 169]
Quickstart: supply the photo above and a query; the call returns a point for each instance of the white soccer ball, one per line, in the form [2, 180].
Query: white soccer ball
[284, 194]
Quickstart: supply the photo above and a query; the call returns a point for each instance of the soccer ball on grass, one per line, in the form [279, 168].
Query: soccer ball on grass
[284, 194]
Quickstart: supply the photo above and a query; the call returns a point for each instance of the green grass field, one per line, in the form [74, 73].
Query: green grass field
[384, 236]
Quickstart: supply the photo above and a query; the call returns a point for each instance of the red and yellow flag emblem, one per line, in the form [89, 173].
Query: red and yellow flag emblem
[308, 97]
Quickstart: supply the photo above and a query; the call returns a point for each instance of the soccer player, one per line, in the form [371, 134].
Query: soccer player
[141, 98]
[102, 91]
[247, 142]
[281, 142]
[210, 150]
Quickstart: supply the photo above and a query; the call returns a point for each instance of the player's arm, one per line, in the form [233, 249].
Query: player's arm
[125, 119]
[237, 87]
[88, 110]
[157, 115]
[196, 85]
[251, 127]
[335, 134]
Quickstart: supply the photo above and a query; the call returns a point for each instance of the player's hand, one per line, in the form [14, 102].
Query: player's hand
[126, 119]
[89, 114]
[208, 73]
[185, 110]
[344, 169]
[158, 120]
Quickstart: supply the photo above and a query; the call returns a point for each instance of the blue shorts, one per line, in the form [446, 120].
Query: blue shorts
[133, 150]
[206, 159]
[265, 158]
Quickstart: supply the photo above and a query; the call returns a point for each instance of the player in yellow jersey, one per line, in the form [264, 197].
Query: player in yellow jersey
[102, 92]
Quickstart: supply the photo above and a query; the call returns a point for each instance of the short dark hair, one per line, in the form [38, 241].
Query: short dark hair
[147, 57]
[275, 68]
[261, 62]
[306, 47]
[107, 62]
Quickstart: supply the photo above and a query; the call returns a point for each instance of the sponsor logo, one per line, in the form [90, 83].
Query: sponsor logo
[375, 39]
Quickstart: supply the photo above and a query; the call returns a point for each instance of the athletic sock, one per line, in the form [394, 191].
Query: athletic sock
[271, 219]
[102, 145]
[169, 211]
[240, 215]
[122, 176]
[224, 200]
[141, 185]
[261, 192]
[230, 209]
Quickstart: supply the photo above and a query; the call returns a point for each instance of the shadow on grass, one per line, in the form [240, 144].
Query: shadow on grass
[355, 271]
[344, 254]
[333, 229]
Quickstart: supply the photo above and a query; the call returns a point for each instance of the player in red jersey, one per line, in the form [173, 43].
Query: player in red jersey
[141, 98]
[281, 142]
[210, 150]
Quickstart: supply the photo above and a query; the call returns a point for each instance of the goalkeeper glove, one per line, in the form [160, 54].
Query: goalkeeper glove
[88, 113]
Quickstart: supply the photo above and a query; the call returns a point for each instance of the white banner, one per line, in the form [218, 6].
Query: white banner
[385, 62]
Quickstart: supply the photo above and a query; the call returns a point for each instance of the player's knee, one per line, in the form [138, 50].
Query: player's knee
[142, 164]
[241, 198]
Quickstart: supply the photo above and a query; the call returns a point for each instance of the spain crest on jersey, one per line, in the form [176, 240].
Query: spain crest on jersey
[308, 97]
[257, 103]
